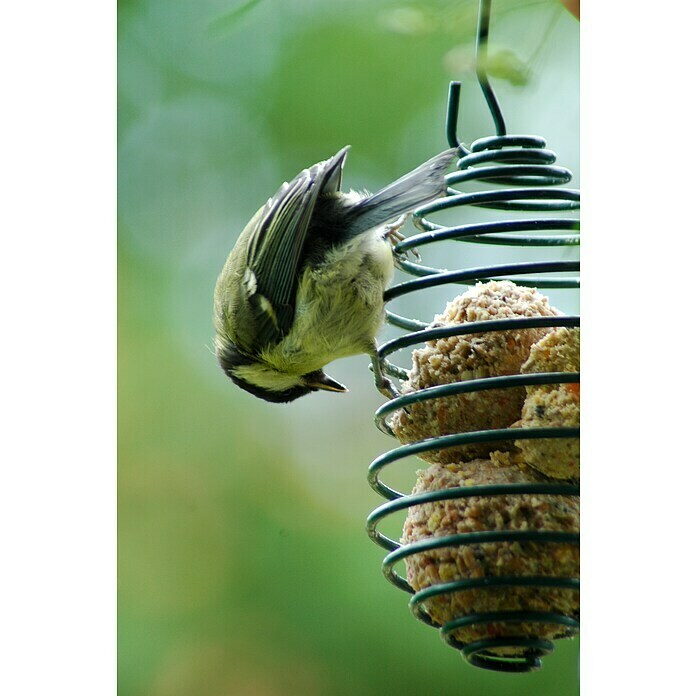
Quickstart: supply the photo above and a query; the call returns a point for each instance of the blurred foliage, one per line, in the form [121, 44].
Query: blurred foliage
[243, 563]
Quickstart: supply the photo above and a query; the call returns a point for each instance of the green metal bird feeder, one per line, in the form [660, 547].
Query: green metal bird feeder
[526, 180]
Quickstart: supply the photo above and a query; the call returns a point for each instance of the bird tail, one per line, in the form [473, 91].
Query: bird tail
[422, 185]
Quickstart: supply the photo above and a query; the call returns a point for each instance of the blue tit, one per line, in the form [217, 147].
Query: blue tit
[304, 283]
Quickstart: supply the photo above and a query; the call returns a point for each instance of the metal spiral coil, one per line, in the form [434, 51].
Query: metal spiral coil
[531, 182]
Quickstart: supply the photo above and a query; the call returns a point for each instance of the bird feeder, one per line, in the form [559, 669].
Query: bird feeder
[491, 542]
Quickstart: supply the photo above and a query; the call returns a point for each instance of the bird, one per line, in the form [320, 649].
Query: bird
[304, 283]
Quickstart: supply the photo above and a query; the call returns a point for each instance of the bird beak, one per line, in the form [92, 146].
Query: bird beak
[320, 380]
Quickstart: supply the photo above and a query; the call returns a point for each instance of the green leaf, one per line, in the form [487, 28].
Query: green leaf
[226, 22]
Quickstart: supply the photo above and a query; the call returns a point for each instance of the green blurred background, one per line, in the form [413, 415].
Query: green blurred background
[244, 568]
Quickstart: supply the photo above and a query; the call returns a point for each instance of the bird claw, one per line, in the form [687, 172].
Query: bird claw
[386, 388]
[394, 235]
[384, 385]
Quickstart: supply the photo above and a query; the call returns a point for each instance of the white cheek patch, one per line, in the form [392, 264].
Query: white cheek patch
[267, 378]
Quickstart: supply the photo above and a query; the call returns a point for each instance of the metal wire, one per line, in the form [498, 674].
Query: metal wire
[531, 182]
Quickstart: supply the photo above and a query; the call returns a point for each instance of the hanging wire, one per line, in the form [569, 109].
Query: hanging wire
[531, 182]
[484, 23]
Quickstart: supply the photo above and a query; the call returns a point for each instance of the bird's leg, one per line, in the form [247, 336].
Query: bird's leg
[393, 234]
[384, 385]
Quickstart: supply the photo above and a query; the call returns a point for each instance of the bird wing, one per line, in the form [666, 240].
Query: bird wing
[275, 249]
